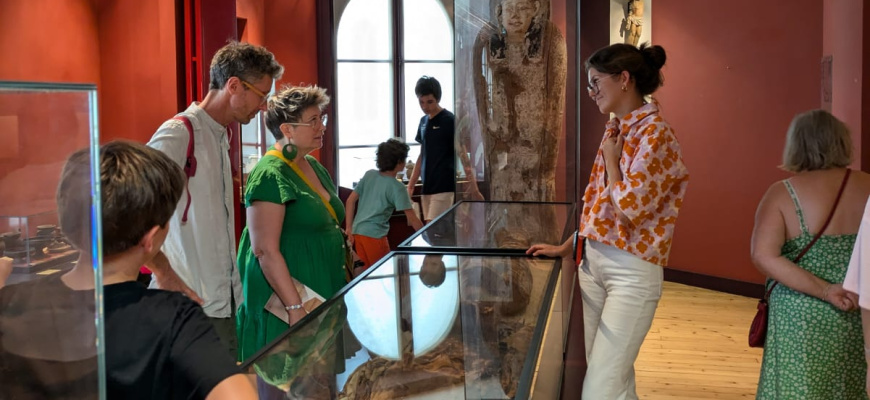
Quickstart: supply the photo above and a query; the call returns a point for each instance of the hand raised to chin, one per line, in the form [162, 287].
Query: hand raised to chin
[611, 149]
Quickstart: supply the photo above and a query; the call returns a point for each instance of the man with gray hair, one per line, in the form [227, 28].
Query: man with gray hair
[199, 255]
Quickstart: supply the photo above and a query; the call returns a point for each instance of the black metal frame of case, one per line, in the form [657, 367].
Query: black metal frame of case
[60, 86]
[406, 245]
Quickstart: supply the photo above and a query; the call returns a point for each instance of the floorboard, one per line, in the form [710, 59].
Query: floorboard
[696, 348]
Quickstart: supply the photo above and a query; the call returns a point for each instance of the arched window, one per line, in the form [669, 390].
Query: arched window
[379, 59]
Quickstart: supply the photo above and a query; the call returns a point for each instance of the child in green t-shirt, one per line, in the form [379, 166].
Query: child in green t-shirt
[379, 194]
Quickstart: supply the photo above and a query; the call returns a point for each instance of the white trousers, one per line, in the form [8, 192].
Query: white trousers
[620, 293]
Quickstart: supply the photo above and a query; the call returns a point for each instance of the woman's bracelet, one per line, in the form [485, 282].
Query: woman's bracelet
[293, 307]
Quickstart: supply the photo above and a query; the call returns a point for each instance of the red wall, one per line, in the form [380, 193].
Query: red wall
[254, 14]
[137, 67]
[291, 34]
[49, 40]
[289, 30]
[126, 48]
[45, 41]
[733, 81]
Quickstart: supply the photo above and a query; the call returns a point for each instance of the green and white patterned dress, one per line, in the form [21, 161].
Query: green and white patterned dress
[813, 350]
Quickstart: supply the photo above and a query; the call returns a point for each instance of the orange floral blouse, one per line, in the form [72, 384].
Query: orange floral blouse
[649, 195]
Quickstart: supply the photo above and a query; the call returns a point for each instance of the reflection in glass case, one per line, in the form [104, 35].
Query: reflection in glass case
[500, 226]
[51, 343]
[421, 326]
[36, 246]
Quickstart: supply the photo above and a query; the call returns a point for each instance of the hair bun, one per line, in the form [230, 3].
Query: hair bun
[654, 56]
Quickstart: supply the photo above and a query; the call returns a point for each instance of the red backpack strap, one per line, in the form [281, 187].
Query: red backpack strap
[189, 163]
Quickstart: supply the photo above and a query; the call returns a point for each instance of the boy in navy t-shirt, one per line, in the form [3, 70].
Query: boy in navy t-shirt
[379, 194]
[437, 161]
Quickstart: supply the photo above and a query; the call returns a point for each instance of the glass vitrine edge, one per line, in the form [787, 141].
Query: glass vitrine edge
[57, 86]
[524, 386]
[407, 242]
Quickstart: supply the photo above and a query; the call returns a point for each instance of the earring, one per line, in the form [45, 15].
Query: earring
[624, 88]
[291, 153]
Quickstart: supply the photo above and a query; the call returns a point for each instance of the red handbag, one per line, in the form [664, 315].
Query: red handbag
[758, 329]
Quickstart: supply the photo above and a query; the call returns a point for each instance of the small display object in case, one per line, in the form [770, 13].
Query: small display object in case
[35, 244]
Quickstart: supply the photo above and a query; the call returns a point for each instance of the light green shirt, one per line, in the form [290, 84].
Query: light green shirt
[379, 196]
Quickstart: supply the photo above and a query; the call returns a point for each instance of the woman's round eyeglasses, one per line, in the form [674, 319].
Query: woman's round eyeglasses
[322, 119]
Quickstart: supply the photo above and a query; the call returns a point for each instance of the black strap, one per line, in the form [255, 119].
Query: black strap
[819, 234]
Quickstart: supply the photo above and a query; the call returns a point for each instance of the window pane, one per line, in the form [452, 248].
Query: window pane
[364, 32]
[251, 130]
[365, 101]
[250, 157]
[443, 72]
[413, 153]
[353, 164]
[428, 31]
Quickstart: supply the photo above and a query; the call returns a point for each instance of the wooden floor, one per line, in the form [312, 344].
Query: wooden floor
[696, 348]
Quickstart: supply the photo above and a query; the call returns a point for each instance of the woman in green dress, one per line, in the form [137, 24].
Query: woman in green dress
[293, 214]
[814, 341]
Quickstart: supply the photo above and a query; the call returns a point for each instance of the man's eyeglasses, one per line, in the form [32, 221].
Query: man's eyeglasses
[313, 121]
[592, 86]
[263, 96]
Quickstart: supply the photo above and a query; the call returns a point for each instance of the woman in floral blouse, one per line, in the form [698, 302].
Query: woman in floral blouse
[630, 206]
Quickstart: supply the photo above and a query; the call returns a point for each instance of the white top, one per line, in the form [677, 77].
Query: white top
[203, 251]
[857, 280]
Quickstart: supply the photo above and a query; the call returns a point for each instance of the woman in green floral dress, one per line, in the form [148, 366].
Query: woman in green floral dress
[814, 347]
[292, 228]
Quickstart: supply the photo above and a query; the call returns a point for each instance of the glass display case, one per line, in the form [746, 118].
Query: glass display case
[422, 325]
[511, 228]
[50, 335]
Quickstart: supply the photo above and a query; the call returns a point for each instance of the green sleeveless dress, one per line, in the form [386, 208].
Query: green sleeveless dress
[813, 350]
[311, 242]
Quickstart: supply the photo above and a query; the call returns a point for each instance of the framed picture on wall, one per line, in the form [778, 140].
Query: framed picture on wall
[630, 21]
[827, 82]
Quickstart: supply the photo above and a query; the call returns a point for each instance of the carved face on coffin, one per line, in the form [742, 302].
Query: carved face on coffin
[516, 16]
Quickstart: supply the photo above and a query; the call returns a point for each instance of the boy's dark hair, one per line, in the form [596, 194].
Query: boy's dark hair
[244, 61]
[390, 154]
[139, 189]
[428, 85]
